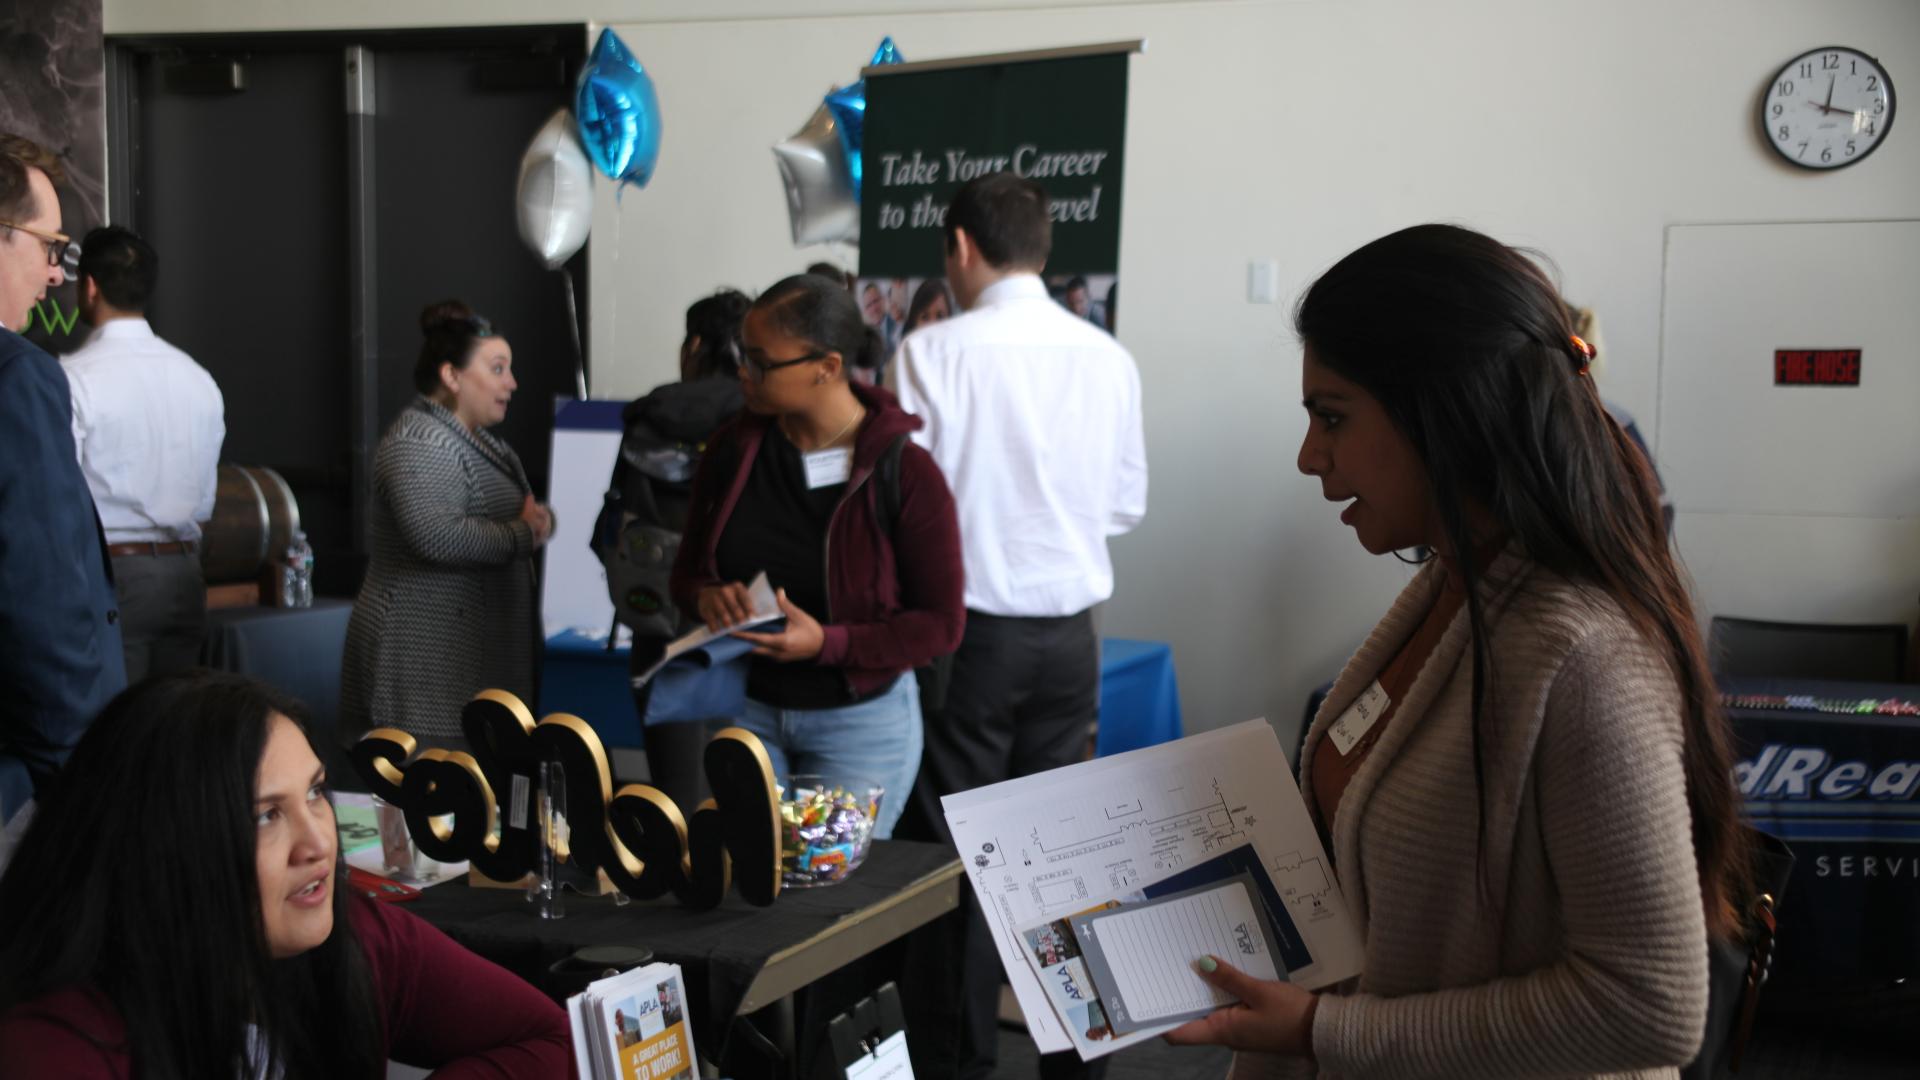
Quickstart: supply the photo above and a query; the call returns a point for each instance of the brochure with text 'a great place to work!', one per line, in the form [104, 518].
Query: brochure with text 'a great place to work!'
[633, 1026]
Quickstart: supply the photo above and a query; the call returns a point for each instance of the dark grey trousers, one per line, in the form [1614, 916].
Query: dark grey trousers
[1024, 693]
[163, 612]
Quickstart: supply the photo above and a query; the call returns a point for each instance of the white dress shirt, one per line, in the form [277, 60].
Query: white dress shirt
[148, 423]
[1034, 415]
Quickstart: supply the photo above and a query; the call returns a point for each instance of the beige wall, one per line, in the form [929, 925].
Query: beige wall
[1286, 131]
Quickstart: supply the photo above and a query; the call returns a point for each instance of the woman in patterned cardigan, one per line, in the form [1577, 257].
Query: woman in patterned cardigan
[447, 608]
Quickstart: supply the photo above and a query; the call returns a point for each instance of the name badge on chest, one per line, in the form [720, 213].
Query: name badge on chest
[1359, 718]
[828, 467]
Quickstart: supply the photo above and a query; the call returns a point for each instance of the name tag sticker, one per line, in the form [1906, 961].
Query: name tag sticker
[1359, 718]
[828, 467]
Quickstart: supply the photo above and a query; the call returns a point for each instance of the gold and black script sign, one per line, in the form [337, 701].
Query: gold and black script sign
[636, 836]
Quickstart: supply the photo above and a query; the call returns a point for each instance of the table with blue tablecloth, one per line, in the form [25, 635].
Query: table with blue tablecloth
[1139, 696]
[1841, 785]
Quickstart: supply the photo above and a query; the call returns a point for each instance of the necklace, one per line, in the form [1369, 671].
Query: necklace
[860, 413]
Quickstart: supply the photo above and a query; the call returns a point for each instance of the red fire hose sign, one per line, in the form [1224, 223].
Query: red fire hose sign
[1816, 367]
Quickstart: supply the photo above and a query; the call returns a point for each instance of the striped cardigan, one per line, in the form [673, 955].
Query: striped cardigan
[1573, 942]
[447, 607]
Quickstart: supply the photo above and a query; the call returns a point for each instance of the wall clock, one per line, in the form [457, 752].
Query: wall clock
[1828, 108]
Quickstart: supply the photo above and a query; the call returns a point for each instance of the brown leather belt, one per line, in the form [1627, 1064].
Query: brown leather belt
[153, 547]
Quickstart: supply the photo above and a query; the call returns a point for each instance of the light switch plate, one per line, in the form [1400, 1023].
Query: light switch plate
[1263, 281]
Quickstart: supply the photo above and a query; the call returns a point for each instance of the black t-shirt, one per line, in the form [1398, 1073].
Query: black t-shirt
[780, 526]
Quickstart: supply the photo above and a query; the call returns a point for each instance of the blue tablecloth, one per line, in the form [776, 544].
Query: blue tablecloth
[1843, 789]
[580, 675]
[1139, 698]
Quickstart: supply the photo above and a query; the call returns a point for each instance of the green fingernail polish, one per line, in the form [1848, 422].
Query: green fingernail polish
[1207, 964]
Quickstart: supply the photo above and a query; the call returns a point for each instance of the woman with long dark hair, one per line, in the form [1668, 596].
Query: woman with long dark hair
[817, 484]
[1523, 774]
[175, 913]
[932, 302]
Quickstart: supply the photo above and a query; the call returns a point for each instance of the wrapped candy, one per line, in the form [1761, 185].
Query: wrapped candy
[825, 832]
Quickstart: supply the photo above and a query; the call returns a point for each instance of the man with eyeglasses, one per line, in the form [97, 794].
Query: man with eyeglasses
[60, 656]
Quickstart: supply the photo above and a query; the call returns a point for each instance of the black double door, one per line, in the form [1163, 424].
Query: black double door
[308, 194]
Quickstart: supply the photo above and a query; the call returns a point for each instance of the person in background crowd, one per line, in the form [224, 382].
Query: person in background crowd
[447, 607]
[58, 615]
[666, 432]
[817, 485]
[878, 314]
[178, 909]
[148, 422]
[1539, 822]
[1079, 299]
[829, 270]
[1035, 418]
[932, 303]
[1113, 304]
[1587, 325]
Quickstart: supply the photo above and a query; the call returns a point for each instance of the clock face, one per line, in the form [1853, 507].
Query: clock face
[1828, 108]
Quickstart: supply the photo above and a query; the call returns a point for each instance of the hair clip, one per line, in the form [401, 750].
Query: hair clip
[483, 328]
[1587, 352]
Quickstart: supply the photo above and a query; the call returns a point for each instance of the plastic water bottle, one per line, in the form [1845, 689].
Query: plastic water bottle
[296, 578]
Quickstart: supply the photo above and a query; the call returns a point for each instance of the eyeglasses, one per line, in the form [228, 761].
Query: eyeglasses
[55, 243]
[758, 370]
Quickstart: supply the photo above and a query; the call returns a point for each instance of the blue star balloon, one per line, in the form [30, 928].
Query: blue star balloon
[617, 112]
[849, 108]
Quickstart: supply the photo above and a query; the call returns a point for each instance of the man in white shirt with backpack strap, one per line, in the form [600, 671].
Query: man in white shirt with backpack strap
[1034, 415]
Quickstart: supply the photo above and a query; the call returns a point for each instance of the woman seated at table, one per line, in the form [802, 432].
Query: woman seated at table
[1528, 794]
[447, 607]
[176, 910]
[817, 484]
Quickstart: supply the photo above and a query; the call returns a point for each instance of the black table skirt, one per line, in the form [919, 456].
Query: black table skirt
[720, 951]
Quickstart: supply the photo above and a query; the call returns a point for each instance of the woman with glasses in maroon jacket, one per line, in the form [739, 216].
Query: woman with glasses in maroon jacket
[817, 484]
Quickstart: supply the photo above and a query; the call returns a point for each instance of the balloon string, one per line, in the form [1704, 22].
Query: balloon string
[573, 328]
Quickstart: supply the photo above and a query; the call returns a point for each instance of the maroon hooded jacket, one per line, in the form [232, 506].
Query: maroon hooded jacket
[894, 596]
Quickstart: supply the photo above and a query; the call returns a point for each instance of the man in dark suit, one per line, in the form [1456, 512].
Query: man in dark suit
[60, 656]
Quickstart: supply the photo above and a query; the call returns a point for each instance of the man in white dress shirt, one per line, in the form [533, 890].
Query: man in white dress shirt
[1034, 416]
[148, 423]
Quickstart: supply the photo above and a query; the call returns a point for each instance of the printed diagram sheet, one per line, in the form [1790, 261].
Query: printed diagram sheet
[1082, 839]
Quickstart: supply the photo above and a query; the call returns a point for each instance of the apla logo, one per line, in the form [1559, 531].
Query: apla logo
[1243, 936]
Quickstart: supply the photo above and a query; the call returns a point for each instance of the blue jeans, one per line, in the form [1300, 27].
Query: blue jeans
[878, 740]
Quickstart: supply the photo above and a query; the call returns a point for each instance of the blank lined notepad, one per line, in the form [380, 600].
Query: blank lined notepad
[1141, 956]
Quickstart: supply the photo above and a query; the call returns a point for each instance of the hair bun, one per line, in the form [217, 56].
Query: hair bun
[445, 314]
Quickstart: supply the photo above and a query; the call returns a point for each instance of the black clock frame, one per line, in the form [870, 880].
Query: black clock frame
[1766, 133]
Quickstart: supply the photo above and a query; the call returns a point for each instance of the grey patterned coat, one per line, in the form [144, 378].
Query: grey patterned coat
[447, 606]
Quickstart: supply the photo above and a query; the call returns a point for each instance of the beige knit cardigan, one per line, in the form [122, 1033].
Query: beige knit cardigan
[1582, 951]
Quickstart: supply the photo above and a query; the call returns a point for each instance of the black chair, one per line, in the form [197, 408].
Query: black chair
[1776, 650]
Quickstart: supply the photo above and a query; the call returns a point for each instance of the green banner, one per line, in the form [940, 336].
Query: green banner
[1061, 122]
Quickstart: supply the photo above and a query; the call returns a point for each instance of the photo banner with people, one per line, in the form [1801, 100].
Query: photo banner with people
[1057, 117]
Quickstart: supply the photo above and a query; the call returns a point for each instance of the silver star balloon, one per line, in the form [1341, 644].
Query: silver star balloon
[820, 197]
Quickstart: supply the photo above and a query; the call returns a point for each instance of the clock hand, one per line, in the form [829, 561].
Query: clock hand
[1829, 104]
